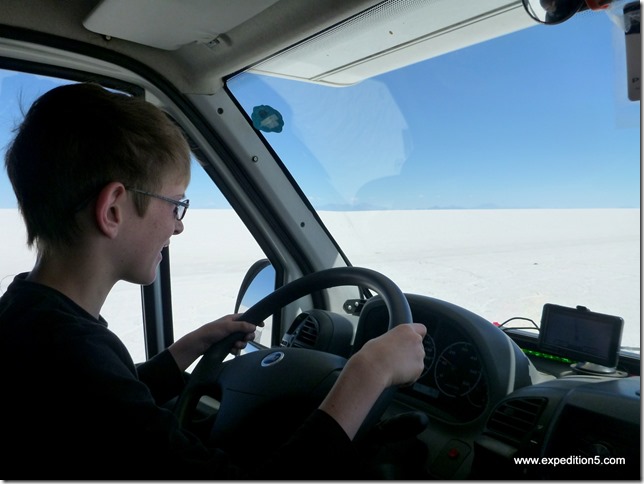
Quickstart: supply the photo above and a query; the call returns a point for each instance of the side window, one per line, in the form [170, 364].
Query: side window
[209, 260]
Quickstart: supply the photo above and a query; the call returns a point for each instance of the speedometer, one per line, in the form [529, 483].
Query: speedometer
[458, 369]
[430, 353]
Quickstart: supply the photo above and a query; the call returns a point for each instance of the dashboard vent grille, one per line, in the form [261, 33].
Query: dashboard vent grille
[306, 334]
[514, 420]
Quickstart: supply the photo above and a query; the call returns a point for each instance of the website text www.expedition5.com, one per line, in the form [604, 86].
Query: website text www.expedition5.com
[571, 460]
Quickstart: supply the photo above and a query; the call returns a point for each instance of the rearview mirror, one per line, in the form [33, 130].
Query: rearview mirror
[552, 11]
[557, 11]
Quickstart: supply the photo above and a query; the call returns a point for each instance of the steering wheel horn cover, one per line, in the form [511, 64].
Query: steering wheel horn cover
[272, 359]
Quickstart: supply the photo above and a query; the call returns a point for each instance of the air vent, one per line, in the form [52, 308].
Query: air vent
[515, 420]
[306, 333]
[303, 333]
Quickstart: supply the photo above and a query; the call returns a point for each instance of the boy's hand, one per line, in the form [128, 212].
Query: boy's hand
[397, 355]
[188, 348]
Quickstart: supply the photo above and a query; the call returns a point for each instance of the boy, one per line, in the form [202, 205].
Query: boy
[100, 180]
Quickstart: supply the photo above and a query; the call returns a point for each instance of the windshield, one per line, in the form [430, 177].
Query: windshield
[500, 177]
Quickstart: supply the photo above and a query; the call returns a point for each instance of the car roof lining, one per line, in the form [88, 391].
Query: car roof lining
[197, 63]
[196, 68]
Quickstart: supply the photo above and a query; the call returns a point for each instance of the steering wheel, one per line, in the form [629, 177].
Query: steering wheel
[276, 388]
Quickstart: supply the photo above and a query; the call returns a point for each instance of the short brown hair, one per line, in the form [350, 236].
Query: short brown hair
[77, 138]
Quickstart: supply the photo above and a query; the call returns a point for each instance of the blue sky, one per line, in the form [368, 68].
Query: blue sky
[528, 164]
[544, 113]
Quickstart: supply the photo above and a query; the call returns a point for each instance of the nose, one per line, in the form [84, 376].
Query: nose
[178, 227]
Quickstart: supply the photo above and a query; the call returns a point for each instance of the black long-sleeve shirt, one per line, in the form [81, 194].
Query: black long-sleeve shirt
[75, 406]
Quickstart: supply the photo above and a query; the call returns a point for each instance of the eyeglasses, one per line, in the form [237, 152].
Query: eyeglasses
[181, 206]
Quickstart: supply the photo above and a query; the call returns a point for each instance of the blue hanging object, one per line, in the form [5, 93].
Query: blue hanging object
[267, 119]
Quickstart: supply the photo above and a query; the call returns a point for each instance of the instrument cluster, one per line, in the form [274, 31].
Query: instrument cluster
[453, 381]
[453, 385]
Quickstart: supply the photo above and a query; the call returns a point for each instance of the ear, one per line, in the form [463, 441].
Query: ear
[110, 208]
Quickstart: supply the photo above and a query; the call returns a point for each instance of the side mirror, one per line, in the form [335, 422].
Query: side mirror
[258, 283]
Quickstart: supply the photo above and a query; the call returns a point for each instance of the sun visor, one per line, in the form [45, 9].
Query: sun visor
[155, 22]
[394, 34]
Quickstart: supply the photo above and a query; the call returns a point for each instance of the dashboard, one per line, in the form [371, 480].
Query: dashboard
[576, 427]
[584, 419]
[488, 403]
